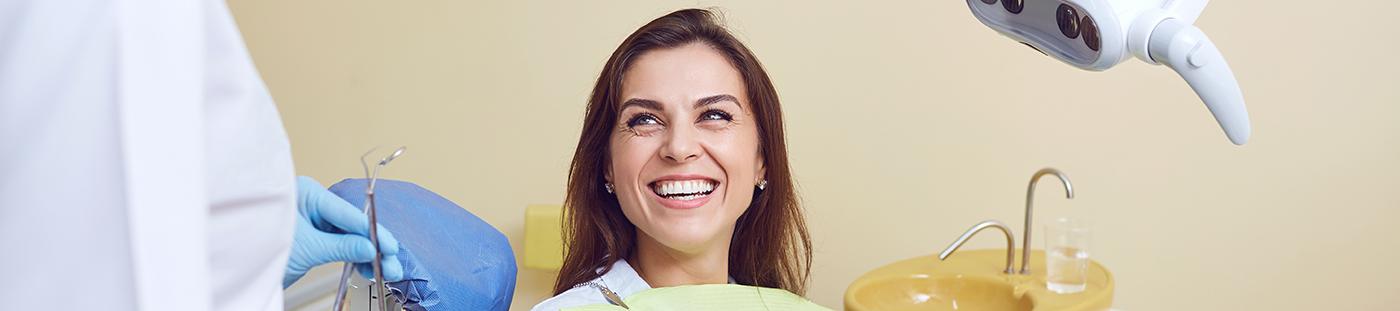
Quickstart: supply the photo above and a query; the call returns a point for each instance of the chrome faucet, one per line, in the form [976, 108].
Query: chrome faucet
[1010, 242]
[1030, 197]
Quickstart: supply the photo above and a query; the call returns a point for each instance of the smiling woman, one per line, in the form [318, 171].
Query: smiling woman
[681, 174]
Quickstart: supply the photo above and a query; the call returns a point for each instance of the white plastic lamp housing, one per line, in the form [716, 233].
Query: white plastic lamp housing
[1098, 34]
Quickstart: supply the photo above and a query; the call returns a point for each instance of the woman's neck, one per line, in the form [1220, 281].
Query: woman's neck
[661, 266]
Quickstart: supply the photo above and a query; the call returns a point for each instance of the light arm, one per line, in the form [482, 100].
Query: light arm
[1187, 50]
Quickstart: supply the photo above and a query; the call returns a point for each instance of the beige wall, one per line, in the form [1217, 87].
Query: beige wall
[909, 121]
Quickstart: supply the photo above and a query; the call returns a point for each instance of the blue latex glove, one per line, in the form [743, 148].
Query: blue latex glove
[330, 230]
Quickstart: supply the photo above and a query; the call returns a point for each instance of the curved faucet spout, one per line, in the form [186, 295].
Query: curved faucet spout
[1010, 242]
[1030, 198]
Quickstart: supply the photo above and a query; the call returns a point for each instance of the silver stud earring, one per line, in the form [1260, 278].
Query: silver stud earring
[608, 187]
[762, 184]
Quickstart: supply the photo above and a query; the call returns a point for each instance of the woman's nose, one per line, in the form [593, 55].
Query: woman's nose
[681, 146]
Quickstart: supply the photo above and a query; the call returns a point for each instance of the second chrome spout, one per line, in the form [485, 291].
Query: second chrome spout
[1010, 242]
[1030, 199]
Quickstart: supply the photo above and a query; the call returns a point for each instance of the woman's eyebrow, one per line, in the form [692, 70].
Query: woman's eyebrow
[644, 103]
[713, 99]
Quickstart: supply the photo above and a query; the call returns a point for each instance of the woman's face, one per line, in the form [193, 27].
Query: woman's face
[685, 150]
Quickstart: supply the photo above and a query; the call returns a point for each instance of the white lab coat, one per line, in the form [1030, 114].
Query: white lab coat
[143, 165]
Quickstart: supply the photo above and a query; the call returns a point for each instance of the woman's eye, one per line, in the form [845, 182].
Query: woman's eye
[716, 115]
[643, 119]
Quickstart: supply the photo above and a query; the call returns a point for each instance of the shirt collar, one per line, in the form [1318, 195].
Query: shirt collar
[624, 280]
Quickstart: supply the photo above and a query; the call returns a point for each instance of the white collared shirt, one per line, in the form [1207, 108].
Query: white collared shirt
[622, 279]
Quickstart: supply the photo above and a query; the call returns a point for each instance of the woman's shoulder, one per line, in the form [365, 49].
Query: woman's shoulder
[620, 279]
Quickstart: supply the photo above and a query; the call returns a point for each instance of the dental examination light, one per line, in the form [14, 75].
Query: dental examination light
[1097, 34]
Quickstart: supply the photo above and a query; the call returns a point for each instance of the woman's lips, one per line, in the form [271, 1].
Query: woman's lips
[683, 192]
[682, 204]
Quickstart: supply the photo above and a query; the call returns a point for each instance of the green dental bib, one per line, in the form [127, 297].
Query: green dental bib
[717, 297]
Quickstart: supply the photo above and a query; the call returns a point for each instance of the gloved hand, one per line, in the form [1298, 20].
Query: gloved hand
[330, 230]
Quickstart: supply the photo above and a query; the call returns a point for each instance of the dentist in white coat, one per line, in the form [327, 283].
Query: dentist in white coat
[143, 165]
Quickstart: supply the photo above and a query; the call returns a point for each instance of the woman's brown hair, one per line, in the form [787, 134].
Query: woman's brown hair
[770, 246]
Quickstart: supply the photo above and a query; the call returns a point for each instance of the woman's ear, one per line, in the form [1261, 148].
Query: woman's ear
[760, 170]
[607, 171]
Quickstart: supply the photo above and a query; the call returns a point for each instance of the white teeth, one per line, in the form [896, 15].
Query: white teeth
[692, 187]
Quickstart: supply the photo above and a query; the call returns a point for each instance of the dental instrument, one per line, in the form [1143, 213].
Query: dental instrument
[378, 289]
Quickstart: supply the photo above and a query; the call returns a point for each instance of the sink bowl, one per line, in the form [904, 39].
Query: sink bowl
[922, 292]
[972, 280]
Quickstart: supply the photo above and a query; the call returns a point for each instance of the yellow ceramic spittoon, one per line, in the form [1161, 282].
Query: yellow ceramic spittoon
[972, 280]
